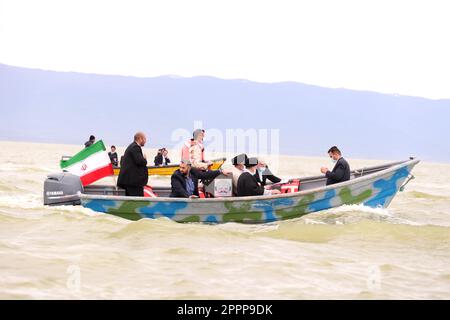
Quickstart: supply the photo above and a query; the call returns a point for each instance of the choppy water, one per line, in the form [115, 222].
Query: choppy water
[351, 252]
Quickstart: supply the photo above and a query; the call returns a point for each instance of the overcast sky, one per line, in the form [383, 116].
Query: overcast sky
[395, 46]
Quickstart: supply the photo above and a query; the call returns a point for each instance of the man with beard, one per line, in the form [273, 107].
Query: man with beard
[133, 172]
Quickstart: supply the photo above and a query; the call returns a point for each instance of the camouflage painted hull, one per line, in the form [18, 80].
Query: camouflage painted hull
[373, 190]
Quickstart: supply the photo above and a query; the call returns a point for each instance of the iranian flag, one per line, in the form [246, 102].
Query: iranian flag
[90, 165]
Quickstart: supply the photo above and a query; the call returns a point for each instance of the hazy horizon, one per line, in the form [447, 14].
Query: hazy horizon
[239, 116]
[174, 157]
[176, 76]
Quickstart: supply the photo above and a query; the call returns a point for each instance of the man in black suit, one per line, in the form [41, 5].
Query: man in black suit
[133, 172]
[248, 185]
[161, 158]
[341, 170]
[263, 174]
[185, 180]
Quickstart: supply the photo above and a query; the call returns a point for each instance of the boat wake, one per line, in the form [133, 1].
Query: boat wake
[29, 201]
[427, 196]
[360, 231]
[351, 214]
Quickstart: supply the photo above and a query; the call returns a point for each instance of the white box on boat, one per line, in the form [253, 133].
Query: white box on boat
[221, 187]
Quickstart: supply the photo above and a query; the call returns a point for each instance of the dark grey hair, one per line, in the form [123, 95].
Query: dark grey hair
[184, 161]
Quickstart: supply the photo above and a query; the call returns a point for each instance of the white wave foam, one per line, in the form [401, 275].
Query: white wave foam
[246, 228]
[312, 221]
[352, 213]
[361, 208]
[29, 201]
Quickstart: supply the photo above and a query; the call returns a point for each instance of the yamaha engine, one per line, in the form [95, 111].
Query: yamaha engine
[62, 189]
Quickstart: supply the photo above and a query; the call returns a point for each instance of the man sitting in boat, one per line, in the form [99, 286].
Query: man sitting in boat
[113, 156]
[341, 170]
[263, 174]
[248, 185]
[185, 180]
[197, 152]
[238, 169]
[162, 158]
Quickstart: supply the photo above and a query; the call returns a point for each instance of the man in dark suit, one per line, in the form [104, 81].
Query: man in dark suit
[341, 170]
[161, 158]
[263, 174]
[134, 173]
[248, 184]
[185, 180]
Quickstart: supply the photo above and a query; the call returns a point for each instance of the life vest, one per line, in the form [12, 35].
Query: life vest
[185, 154]
[148, 192]
[203, 150]
[185, 151]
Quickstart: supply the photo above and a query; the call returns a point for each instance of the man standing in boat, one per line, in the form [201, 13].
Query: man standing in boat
[341, 170]
[185, 151]
[134, 173]
[197, 152]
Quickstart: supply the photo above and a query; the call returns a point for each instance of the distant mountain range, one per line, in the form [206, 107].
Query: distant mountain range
[66, 107]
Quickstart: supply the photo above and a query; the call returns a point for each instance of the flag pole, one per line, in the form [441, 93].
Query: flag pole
[115, 182]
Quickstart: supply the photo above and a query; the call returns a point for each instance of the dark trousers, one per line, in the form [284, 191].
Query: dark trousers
[134, 191]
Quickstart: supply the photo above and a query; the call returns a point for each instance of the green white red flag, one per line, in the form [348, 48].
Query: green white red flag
[90, 165]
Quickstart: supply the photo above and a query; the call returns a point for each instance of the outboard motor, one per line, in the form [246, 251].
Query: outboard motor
[61, 189]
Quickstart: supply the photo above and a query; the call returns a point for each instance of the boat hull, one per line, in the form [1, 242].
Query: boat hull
[374, 190]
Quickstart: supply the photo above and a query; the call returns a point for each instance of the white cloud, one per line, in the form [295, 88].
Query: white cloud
[395, 46]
